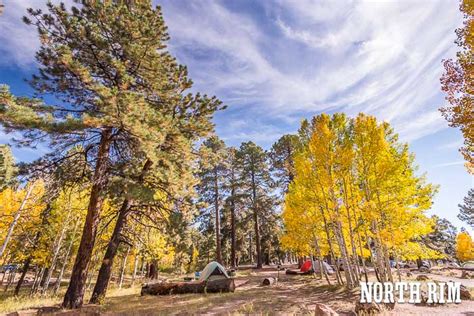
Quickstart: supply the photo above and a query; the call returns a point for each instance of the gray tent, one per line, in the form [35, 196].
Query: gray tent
[326, 266]
[213, 271]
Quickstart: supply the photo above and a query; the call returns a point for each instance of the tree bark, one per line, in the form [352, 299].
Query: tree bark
[214, 286]
[26, 266]
[153, 271]
[75, 293]
[256, 225]
[105, 270]
[233, 243]
[27, 263]
[218, 221]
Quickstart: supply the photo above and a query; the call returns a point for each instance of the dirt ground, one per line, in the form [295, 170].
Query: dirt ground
[291, 295]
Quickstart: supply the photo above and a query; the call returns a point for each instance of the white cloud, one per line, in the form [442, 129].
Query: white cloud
[449, 164]
[451, 145]
[19, 41]
[382, 58]
[304, 56]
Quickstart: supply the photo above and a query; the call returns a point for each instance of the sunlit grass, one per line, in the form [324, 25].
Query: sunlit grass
[22, 302]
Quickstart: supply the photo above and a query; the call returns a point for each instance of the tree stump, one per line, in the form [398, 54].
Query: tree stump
[269, 281]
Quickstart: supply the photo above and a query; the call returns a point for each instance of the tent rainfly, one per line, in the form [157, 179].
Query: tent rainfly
[213, 271]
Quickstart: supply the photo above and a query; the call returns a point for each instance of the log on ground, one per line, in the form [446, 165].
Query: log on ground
[269, 281]
[297, 272]
[213, 286]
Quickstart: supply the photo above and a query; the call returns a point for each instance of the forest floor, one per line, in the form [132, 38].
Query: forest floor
[292, 294]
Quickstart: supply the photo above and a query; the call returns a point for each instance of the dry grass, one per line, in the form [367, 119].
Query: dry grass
[24, 301]
[291, 295]
[16, 303]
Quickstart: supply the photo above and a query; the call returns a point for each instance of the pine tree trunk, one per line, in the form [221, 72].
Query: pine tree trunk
[218, 221]
[75, 293]
[105, 271]
[153, 271]
[15, 219]
[28, 261]
[257, 240]
[256, 225]
[233, 244]
[26, 266]
[250, 248]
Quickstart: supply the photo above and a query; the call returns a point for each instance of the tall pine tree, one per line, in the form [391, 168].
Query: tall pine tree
[466, 210]
[257, 185]
[120, 93]
[210, 188]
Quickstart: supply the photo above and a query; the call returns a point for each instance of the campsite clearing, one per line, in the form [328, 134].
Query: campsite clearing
[293, 294]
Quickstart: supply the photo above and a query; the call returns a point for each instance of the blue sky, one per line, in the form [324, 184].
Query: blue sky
[276, 62]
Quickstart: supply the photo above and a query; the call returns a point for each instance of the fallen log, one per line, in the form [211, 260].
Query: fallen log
[269, 281]
[211, 286]
[297, 272]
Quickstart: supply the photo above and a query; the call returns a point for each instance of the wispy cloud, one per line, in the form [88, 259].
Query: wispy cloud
[19, 42]
[383, 58]
[451, 145]
[291, 59]
[449, 164]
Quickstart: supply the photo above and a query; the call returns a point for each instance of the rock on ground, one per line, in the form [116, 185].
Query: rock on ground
[324, 310]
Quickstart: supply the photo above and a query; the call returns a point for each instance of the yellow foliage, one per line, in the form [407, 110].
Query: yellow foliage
[355, 184]
[464, 247]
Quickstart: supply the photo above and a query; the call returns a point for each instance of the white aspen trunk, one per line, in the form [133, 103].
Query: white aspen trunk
[135, 267]
[38, 281]
[322, 269]
[344, 256]
[11, 279]
[66, 258]
[122, 269]
[56, 249]
[331, 250]
[16, 217]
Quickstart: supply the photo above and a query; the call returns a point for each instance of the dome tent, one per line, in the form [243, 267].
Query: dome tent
[214, 270]
[313, 266]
